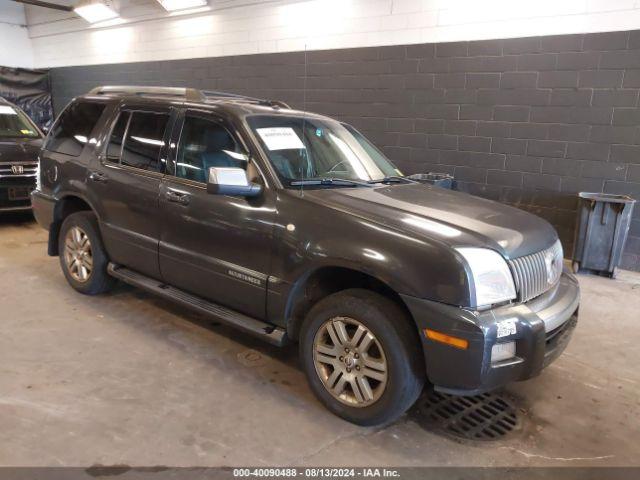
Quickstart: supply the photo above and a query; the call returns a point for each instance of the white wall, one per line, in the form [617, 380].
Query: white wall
[235, 27]
[15, 45]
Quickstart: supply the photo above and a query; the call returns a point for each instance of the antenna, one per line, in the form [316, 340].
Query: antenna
[304, 119]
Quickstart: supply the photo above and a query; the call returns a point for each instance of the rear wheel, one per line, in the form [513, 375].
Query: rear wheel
[82, 255]
[362, 357]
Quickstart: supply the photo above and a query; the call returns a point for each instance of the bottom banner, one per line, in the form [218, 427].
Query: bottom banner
[123, 472]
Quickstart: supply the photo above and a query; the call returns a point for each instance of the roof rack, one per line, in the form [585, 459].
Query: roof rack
[190, 94]
[187, 93]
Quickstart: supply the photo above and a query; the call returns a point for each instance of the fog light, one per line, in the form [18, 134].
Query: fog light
[503, 351]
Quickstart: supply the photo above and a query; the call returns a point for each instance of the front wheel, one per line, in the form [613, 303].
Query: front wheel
[362, 357]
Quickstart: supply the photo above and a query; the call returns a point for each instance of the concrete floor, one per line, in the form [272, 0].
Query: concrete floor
[126, 378]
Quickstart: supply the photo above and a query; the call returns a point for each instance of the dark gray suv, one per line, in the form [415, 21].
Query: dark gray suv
[293, 227]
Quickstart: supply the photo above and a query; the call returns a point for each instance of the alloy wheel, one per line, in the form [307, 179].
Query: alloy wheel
[350, 362]
[78, 255]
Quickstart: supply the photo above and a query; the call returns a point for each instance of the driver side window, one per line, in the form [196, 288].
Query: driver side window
[205, 144]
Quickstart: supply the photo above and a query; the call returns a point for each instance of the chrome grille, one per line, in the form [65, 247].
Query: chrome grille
[23, 169]
[536, 273]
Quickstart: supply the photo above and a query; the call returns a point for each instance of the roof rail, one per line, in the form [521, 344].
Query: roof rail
[191, 94]
[278, 103]
[217, 94]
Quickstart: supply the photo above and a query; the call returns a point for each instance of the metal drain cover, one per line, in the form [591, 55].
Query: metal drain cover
[489, 416]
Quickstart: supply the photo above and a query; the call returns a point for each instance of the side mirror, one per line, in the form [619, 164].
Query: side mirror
[231, 181]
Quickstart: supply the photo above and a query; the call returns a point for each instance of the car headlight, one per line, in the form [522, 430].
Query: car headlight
[492, 279]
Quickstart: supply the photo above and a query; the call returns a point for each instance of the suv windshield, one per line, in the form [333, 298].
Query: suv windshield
[326, 149]
[15, 124]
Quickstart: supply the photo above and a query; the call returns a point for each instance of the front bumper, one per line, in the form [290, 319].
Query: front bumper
[543, 327]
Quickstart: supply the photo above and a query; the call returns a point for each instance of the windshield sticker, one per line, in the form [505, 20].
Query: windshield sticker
[7, 110]
[280, 138]
[24, 131]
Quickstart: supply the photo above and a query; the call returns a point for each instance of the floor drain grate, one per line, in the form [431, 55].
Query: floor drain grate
[488, 416]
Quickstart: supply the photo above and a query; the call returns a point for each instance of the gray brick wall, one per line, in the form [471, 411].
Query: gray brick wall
[529, 122]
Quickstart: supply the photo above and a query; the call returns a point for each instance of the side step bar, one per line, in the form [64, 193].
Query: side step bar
[270, 333]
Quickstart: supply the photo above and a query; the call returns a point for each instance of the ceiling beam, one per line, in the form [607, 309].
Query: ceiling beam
[38, 3]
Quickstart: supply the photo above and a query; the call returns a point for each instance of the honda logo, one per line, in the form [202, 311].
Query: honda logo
[17, 169]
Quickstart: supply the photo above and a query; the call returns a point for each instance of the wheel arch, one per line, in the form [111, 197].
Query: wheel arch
[65, 206]
[320, 282]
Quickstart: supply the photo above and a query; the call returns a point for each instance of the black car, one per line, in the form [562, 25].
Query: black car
[20, 142]
[293, 227]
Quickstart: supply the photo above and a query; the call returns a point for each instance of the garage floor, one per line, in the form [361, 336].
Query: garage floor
[129, 379]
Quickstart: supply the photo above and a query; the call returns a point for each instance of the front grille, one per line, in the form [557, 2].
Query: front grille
[536, 273]
[18, 169]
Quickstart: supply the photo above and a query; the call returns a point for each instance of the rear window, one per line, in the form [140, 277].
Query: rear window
[144, 141]
[114, 147]
[73, 128]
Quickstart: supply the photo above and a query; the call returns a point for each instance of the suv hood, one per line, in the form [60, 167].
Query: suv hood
[19, 149]
[455, 218]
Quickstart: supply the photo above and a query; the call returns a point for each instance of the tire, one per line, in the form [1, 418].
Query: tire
[392, 390]
[95, 279]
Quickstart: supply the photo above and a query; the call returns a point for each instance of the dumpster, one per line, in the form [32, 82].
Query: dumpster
[443, 180]
[601, 232]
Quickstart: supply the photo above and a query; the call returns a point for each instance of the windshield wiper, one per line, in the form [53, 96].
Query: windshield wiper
[329, 181]
[393, 179]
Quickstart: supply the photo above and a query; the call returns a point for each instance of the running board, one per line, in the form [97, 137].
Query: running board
[270, 333]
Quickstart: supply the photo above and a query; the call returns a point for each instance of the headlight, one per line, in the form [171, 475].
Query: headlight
[492, 279]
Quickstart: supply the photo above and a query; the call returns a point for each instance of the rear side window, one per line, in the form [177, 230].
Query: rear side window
[143, 134]
[73, 129]
[114, 148]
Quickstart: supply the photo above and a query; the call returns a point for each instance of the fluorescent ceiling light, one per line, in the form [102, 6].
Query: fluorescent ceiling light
[96, 10]
[172, 5]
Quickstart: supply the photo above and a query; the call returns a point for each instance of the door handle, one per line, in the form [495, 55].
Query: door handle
[98, 177]
[177, 197]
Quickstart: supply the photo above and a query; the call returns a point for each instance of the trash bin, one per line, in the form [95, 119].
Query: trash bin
[443, 180]
[601, 232]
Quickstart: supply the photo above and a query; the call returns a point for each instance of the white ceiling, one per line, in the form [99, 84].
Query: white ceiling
[11, 12]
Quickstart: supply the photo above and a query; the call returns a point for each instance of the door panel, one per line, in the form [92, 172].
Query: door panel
[128, 184]
[214, 246]
[130, 223]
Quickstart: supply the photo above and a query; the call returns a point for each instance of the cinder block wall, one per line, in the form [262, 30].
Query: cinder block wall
[529, 121]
